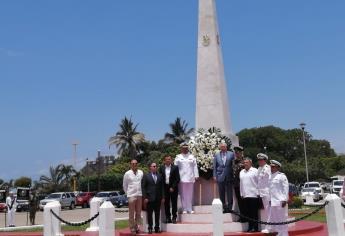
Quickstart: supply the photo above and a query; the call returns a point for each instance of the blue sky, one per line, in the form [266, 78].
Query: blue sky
[71, 70]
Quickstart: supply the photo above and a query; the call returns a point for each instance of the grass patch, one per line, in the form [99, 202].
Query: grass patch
[121, 224]
[316, 217]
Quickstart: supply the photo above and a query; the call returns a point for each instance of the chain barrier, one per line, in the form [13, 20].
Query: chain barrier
[280, 223]
[74, 223]
[342, 204]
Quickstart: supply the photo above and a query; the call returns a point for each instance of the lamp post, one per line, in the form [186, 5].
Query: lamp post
[75, 143]
[87, 173]
[305, 150]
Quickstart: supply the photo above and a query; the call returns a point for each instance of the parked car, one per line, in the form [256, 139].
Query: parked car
[326, 187]
[2, 200]
[314, 192]
[23, 195]
[65, 199]
[84, 198]
[315, 185]
[120, 201]
[337, 185]
[293, 191]
[108, 196]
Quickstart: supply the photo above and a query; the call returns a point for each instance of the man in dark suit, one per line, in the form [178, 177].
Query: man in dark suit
[153, 194]
[222, 173]
[171, 178]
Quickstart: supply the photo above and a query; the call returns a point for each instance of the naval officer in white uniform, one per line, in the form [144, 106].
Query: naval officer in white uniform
[264, 174]
[189, 173]
[11, 203]
[279, 195]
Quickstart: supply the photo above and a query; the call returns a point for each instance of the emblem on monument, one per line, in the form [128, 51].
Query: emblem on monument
[205, 40]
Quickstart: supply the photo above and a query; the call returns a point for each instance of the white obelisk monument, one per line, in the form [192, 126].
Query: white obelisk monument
[212, 103]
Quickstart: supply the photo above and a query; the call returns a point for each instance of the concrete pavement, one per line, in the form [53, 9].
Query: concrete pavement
[76, 215]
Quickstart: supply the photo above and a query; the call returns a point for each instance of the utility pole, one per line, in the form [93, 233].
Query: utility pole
[74, 144]
[302, 125]
[98, 170]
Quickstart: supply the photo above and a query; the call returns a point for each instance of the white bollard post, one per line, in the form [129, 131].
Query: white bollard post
[144, 216]
[217, 214]
[51, 225]
[163, 218]
[95, 203]
[106, 219]
[334, 216]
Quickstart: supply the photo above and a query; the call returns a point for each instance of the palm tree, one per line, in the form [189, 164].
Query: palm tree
[128, 138]
[179, 131]
[53, 181]
[67, 172]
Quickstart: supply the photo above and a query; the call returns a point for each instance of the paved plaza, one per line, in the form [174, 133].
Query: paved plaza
[76, 215]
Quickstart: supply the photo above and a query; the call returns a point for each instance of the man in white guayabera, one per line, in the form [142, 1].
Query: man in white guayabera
[249, 193]
[189, 173]
[132, 187]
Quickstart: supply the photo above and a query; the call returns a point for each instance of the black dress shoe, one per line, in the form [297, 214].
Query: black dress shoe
[174, 221]
[157, 231]
[168, 221]
[150, 231]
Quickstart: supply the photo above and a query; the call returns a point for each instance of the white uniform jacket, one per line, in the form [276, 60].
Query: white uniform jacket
[9, 203]
[188, 167]
[279, 188]
[132, 183]
[264, 174]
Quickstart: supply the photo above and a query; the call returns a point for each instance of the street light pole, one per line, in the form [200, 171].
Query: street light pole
[305, 150]
[87, 173]
[75, 143]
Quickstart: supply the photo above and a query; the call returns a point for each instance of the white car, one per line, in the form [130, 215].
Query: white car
[107, 196]
[315, 185]
[337, 185]
[314, 192]
[65, 199]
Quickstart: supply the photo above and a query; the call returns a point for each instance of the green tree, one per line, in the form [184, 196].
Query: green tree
[287, 147]
[22, 182]
[128, 139]
[67, 173]
[179, 131]
[54, 181]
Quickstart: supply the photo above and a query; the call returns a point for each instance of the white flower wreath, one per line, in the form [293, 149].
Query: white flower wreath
[204, 145]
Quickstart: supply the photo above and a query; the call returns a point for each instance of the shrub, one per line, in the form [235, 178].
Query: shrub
[296, 202]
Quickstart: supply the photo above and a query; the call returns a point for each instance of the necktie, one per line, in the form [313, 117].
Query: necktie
[154, 178]
[224, 157]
